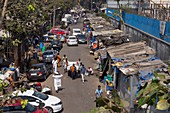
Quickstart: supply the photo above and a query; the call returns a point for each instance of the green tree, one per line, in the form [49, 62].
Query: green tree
[155, 92]
[22, 19]
[119, 14]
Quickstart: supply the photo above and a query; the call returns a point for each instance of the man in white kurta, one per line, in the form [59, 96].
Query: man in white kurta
[55, 66]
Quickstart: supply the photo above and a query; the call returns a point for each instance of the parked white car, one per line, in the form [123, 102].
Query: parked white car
[52, 103]
[72, 40]
[76, 32]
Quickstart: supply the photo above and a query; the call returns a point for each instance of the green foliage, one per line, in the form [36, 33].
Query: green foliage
[24, 18]
[3, 84]
[100, 110]
[114, 104]
[154, 91]
[24, 103]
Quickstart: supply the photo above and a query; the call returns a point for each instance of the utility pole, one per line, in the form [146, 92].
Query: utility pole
[3, 11]
[91, 4]
[54, 8]
[139, 6]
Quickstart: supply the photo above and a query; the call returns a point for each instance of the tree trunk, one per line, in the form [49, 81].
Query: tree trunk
[16, 57]
[3, 11]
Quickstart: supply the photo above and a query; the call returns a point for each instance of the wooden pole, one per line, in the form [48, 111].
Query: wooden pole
[54, 8]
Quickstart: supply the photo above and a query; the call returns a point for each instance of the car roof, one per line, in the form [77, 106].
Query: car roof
[72, 36]
[39, 64]
[80, 35]
[76, 29]
[27, 93]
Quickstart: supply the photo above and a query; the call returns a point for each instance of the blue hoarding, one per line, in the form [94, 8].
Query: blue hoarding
[148, 25]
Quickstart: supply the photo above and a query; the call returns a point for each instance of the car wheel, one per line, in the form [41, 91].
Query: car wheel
[49, 109]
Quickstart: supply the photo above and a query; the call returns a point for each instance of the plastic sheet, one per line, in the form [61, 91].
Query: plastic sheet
[146, 75]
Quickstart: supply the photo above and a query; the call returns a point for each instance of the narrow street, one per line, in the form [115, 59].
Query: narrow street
[77, 97]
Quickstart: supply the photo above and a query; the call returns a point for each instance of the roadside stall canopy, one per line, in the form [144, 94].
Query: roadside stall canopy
[106, 33]
[130, 50]
[134, 58]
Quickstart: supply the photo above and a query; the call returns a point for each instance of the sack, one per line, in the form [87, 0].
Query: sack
[86, 74]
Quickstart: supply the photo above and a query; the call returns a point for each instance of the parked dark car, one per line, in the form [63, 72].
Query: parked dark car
[56, 45]
[49, 55]
[38, 71]
[17, 108]
[82, 39]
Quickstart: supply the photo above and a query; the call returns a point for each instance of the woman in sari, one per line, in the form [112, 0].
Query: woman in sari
[59, 59]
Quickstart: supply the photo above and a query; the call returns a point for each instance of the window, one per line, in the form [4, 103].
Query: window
[72, 37]
[30, 108]
[48, 53]
[77, 31]
[30, 99]
[81, 36]
[40, 95]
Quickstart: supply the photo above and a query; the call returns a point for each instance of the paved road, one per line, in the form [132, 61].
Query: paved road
[77, 97]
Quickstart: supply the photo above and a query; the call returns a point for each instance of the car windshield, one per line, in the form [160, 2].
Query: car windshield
[77, 31]
[55, 42]
[81, 36]
[30, 108]
[72, 37]
[48, 53]
[40, 95]
[36, 68]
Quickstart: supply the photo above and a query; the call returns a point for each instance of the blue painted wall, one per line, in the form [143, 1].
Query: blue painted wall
[167, 32]
[148, 25]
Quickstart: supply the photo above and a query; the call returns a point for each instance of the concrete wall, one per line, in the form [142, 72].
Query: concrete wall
[162, 47]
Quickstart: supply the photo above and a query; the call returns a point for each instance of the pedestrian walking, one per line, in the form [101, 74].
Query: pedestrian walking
[73, 71]
[83, 71]
[58, 59]
[65, 65]
[55, 65]
[98, 94]
[64, 60]
[18, 72]
[79, 69]
[41, 45]
[43, 49]
[79, 62]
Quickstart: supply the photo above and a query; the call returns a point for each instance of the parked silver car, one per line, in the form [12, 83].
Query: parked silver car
[49, 55]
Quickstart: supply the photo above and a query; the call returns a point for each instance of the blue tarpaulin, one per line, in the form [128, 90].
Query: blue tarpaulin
[146, 75]
[153, 58]
[117, 59]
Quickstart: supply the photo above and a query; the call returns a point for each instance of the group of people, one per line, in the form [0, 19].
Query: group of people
[73, 71]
